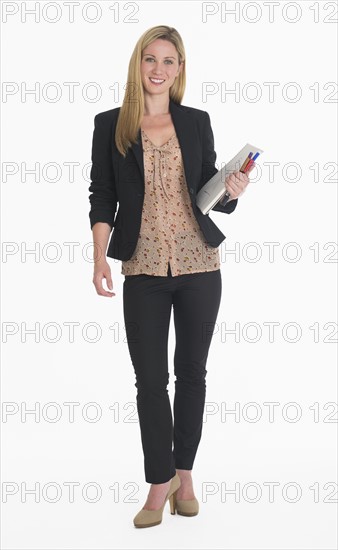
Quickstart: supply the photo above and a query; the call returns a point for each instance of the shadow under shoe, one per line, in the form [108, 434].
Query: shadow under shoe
[149, 518]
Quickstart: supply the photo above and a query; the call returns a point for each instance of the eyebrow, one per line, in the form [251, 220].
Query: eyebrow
[167, 57]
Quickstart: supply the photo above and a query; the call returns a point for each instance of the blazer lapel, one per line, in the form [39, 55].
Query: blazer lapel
[185, 131]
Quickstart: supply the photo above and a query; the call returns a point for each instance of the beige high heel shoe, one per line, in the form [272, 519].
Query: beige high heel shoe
[187, 507]
[149, 518]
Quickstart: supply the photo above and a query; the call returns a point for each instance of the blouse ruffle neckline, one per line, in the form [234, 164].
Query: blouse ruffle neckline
[161, 160]
[148, 144]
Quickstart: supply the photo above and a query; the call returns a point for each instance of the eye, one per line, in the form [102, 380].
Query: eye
[170, 61]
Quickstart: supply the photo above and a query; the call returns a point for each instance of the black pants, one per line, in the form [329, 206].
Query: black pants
[147, 303]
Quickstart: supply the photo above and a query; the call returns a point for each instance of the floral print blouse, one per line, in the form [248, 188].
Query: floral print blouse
[169, 231]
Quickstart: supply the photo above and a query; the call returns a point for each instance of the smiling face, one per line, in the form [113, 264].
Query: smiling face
[159, 66]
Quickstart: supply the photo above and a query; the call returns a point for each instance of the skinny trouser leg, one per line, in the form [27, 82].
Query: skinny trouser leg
[196, 304]
[147, 311]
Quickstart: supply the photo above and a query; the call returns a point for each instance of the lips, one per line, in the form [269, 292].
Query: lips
[156, 81]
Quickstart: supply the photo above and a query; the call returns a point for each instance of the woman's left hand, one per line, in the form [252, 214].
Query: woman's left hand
[236, 183]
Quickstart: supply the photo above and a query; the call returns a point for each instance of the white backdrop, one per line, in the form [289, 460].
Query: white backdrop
[72, 463]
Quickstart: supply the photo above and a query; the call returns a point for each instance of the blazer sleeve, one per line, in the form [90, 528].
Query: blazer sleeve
[103, 198]
[209, 168]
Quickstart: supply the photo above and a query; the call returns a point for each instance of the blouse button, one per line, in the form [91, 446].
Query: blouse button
[191, 190]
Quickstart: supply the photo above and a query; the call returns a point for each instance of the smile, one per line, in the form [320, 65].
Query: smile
[156, 80]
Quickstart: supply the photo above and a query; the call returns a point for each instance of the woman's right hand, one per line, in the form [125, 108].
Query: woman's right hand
[102, 271]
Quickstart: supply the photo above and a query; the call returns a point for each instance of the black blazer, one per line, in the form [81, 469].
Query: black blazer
[116, 180]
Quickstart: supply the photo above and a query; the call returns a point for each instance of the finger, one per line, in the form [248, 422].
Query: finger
[99, 287]
[103, 292]
[242, 180]
[243, 176]
[109, 281]
[235, 181]
[233, 192]
[108, 294]
[235, 176]
[229, 186]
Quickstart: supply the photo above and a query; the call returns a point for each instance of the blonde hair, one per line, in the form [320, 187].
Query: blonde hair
[132, 109]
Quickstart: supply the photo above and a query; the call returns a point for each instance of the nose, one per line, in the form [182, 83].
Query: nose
[157, 68]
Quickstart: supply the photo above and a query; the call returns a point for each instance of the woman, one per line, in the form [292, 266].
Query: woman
[151, 156]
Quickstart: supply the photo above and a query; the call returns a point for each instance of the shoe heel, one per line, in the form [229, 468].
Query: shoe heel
[172, 501]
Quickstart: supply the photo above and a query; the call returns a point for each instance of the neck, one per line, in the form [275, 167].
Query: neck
[156, 105]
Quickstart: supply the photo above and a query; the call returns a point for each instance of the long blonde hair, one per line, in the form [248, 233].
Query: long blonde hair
[132, 108]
